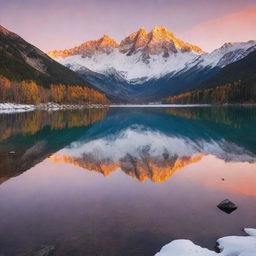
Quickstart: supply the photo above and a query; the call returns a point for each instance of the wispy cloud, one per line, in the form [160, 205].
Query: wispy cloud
[212, 34]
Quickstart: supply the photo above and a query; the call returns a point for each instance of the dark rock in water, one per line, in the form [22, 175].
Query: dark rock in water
[227, 206]
[45, 251]
[217, 248]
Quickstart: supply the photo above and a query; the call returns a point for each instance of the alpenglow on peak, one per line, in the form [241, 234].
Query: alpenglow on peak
[159, 41]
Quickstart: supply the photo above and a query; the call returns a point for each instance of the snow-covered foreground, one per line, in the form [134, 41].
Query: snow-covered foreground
[229, 246]
[8, 108]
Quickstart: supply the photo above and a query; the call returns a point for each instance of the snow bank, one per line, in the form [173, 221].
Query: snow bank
[229, 246]
[55, 106]
[7, 108]
[184, 248]
[13, 108]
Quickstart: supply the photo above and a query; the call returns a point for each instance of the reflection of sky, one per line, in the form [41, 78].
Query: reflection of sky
[51, 24]
[239, 178]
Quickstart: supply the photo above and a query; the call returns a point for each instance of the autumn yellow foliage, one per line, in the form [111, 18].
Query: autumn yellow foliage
[29, 92]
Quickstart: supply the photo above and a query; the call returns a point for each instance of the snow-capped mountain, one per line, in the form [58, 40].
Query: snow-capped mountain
[141, 54]
[148, 65]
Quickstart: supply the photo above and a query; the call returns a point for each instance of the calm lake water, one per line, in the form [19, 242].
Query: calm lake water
[124, 181]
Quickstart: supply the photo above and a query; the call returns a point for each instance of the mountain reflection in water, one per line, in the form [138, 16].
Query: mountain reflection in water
[144, 143]
[154, 144]
[166, 168]
[34, 136]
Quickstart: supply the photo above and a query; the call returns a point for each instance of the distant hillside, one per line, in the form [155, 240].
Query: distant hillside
[235, 83]
[27, 75]
[244, 70]
[20, 60]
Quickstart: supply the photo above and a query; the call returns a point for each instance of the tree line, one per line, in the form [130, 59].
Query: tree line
[235, 92]
[29, 92]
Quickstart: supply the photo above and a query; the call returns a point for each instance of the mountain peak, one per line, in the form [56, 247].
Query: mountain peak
[134, 41]
[6, 32]
[142, 30]
[87, 49]
[159, 41]
[236, 46]
[162, 31]
[106, 41]
[106, 38]
[227, 45]
[161, 34]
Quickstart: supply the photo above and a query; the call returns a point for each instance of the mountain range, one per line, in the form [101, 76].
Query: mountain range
[144, 67]
[148, 66]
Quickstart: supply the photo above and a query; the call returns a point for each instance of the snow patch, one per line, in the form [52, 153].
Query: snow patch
[131, 67]
[7, 108]
[250, 231]
[229, 246]
[184, 248]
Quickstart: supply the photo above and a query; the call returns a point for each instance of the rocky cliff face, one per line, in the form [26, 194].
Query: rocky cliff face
[158, 41]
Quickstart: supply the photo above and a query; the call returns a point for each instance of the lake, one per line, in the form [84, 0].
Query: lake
[124, 181]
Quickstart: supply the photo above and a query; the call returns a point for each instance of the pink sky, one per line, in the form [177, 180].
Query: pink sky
[59, 24]
[231, 28]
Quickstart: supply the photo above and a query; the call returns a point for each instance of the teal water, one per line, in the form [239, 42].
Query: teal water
[124, 181]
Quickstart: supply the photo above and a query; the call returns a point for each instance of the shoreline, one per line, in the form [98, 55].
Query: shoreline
[8, 108]
[158, 105]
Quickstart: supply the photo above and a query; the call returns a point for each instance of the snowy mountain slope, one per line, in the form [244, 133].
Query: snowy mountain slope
[148, 65]
[132, 67]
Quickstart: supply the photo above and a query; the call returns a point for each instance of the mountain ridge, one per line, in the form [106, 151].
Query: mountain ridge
[148, 66]
[158, 40]
[29, 76]
[19, 60]
[235, 83]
